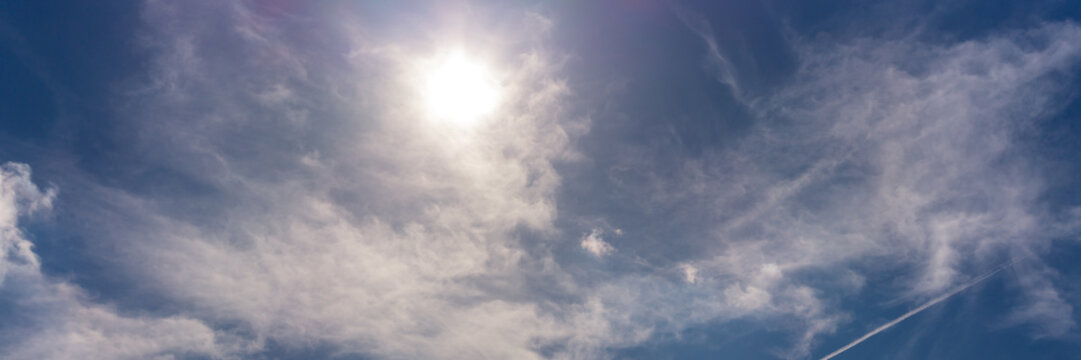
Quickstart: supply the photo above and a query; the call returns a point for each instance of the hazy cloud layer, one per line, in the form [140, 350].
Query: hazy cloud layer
[293, 195]
[899, 150]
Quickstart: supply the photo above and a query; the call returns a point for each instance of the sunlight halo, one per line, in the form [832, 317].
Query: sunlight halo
[459, 90]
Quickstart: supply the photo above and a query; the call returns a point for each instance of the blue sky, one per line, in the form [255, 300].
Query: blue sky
[638, 179]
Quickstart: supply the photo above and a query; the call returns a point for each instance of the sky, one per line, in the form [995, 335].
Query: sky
[611, 179]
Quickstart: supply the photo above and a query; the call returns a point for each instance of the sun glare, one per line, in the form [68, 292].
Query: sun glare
[460, 90]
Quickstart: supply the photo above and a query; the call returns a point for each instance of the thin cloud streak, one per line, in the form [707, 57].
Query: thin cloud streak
[918, 310]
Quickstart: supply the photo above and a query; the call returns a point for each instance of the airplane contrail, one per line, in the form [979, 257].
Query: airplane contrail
[918, 309]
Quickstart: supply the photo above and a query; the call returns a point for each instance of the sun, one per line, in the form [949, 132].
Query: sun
[459, 90]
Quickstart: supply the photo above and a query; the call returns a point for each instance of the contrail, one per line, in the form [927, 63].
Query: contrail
[918, 309]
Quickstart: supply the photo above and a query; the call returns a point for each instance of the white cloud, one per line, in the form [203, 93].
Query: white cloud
[66, 325]
[690, 273]
[1042, 304]
[595, 244]
[717, 64]
[337, 217]
[922, 140]
[382, 233]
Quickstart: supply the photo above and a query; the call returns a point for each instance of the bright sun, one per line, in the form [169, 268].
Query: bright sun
[459, 90]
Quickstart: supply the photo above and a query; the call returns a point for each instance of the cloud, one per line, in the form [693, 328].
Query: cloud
[690, 273]
[18, 197]
[1042, 305]
[595, 244]
[892, 149]
[308, 202]
[915, 311]
[716, 63]
[340, 215]
[62, 324]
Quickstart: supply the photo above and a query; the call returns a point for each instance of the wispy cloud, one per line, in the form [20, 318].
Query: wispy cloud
[308, 202]
[717, 64]
[65, 324]
[915, 311]
[893, 149]
[367, 204]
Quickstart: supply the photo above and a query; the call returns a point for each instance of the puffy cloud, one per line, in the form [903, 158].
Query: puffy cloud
[18, 197]
[595, 244]
[690, 273]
